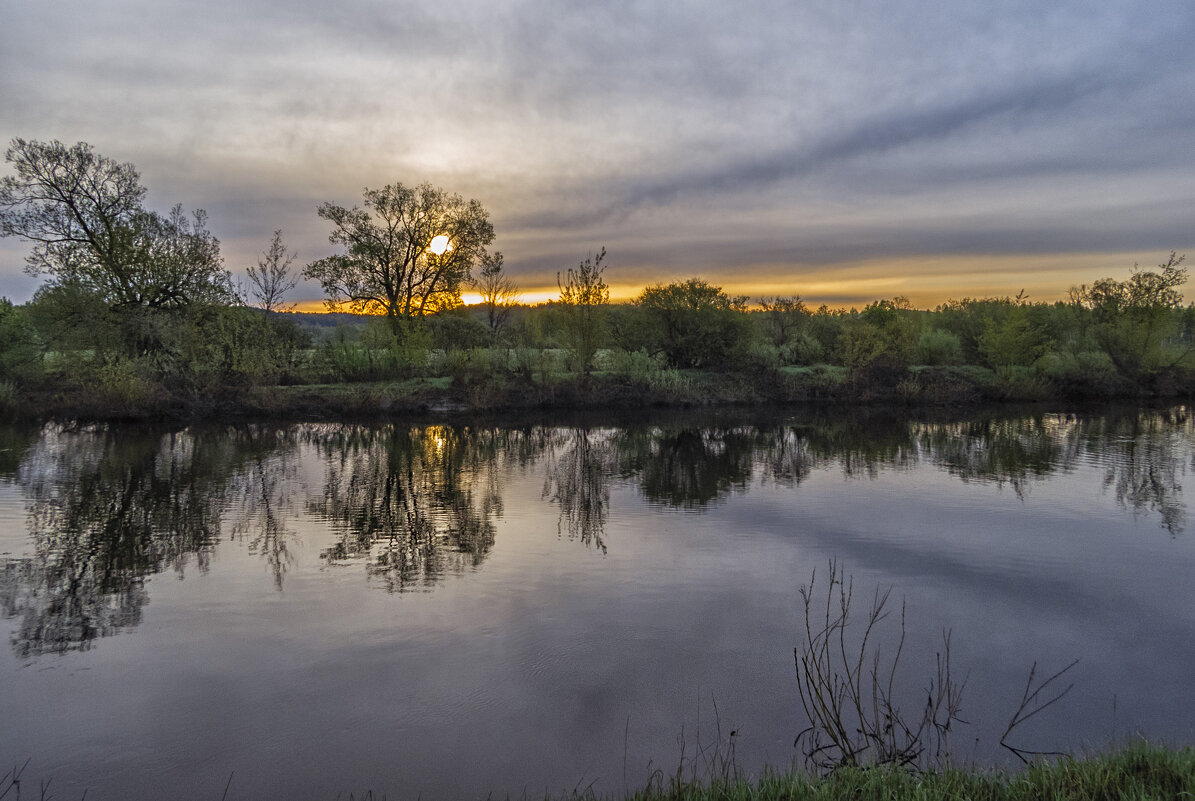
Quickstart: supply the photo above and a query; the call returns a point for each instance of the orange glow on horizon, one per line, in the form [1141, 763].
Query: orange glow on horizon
[927, 281]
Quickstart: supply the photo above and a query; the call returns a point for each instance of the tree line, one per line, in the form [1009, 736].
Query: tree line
[138, 305]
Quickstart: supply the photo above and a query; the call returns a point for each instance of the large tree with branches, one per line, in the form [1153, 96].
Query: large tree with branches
[83, 214]
[390, 266]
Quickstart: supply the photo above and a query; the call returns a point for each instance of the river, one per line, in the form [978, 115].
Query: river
[450, 611]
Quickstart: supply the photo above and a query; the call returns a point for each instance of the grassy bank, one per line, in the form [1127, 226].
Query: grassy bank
[467, 391]
[1139, 771]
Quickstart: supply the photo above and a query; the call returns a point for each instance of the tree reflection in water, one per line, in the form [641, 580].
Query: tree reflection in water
[687, 467]
[108, 507]
[414, 503]
[1144, 457]
[266, 496]
[1006, 451]
[580, 462]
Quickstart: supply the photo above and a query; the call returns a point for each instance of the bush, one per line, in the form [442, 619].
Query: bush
[756, 357]
[1088, 374]
[373, 355]
[20, 350]
[1017, 382]
[636, 365]
[804, 349]
[694, 323]
[937, 348]
[457, 330]
[1017, 340]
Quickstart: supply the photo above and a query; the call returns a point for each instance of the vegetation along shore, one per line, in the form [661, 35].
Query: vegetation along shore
[1138, 771]
[139, 318]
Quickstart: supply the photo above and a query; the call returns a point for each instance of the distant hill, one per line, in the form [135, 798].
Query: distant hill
[325, 320]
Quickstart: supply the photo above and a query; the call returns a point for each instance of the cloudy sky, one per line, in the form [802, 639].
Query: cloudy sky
[841, 150]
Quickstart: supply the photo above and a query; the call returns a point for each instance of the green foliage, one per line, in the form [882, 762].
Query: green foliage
[375, 351]
[123, 384]
[637, 365]
[969, 319]
[758, 358]
[1138, 322]
[693, 323]
[937, 347]
[457, 330]
[20, 348]
[1138, 771]
[881, 337]
[804, 349]
[825, 327]
[1021, 383]
[1015, 339]
[862, 344]
[1085, 374]
[784, 320]
[584, 296]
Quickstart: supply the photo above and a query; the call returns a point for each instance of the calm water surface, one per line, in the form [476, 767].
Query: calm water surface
[449, 612]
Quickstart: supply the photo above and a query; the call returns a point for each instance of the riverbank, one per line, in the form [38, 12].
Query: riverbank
[1138, 771]
[475, 392]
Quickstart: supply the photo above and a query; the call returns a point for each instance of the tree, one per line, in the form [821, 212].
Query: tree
[693, 323]
[1019, 339]
[583, 297]
[881, 337]
[83, 214]
[271, 278]
[785, 319]
[1133, 319]
[389, 266]
[498, 292]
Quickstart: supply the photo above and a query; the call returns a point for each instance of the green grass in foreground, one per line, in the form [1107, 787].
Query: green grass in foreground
[1139, 771]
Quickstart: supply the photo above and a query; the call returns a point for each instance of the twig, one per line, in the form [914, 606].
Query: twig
[1030, 699]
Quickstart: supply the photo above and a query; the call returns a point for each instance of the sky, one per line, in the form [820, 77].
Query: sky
[842, 151]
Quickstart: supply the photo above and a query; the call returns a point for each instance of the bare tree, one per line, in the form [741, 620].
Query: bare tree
[498, 292]
[584, 296]
[271, 278]
[390, 266]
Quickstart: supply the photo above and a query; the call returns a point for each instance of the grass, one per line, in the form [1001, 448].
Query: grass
[1139, 771]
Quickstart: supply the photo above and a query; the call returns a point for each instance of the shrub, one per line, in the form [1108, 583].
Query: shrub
[804, 349]
[637, 365]
[937, 348]
[1017, 382]
[694, 323]
[20, 350]
[757, 357]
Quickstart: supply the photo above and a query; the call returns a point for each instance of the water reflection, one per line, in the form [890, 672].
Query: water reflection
[580, 463]
[15, 442]
[413, 504]
[1144, 458]
[264, 497]
[108, 507]
[1012, 452]
[687, 467]
[105, 510]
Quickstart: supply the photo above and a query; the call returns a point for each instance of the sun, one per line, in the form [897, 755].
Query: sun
[440, 245]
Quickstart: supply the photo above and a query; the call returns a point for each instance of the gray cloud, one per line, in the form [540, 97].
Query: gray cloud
[724, 136]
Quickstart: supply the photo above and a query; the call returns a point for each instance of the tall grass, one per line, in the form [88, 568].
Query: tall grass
[1140, 771]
